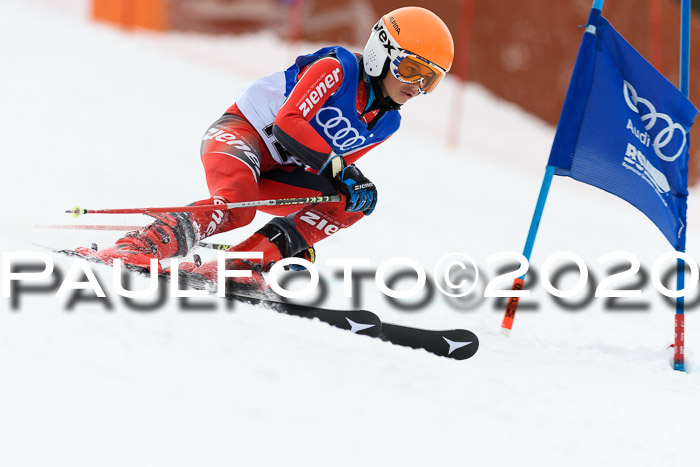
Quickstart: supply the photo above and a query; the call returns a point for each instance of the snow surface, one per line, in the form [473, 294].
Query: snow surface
[111, 118]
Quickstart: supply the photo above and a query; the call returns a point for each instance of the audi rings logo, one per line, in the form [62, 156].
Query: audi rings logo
[338, 129]
[664, 137]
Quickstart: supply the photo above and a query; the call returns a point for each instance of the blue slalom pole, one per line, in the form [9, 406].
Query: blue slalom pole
[539, 209]
[685, 47]
[684, 85]
[512, 305]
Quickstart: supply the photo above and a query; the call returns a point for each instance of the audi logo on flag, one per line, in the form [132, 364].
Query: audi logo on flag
[338, 129]
[650, 118]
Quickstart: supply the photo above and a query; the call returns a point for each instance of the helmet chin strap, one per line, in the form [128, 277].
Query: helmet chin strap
[376, 95]
[384, 103]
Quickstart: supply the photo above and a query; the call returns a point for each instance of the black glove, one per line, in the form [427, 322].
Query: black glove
[361, 194]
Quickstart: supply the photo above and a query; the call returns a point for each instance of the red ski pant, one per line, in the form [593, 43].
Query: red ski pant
[238, 167]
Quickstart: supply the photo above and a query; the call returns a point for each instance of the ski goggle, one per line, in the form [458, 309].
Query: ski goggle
[410, 68]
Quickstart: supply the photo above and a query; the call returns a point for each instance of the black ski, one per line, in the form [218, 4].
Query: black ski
[458, 344]
[359, 321]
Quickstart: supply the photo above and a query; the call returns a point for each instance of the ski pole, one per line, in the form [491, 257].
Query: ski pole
[214, 246]
[88, 227]
[77, 211]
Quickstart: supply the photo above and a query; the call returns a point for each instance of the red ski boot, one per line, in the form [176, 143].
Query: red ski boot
[129, 253]
[170, 235]
[275, 241]
[255, 243]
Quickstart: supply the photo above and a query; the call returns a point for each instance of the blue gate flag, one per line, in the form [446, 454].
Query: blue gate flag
[624, 129]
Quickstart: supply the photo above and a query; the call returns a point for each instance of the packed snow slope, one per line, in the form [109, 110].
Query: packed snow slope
[109, 118]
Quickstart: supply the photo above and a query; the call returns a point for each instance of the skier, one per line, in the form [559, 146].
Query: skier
[298, 133]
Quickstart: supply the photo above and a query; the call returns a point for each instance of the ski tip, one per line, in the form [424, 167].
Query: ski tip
[505, 332]
[77, 211]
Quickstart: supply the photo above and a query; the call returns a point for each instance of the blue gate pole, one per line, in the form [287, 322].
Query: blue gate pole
[512, 304]
[679, 342]
[544, 190]
[539, 209]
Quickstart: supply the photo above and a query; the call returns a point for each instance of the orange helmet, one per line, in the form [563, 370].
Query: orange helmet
[414, 44]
